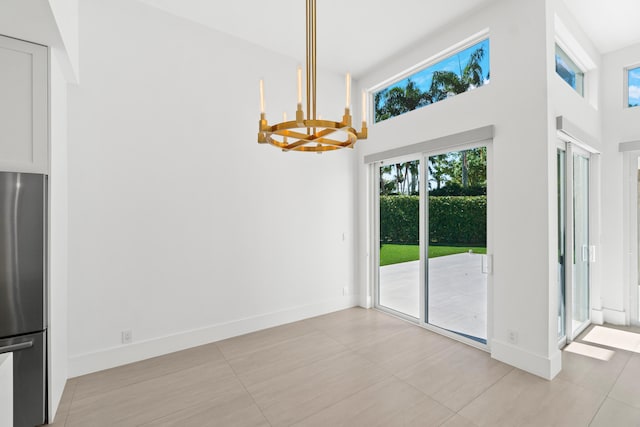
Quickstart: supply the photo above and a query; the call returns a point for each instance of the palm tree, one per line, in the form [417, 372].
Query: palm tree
[397, 100]
[472, 73]
[447, 83]
[444, 84]
[414, 172]
[386, 187]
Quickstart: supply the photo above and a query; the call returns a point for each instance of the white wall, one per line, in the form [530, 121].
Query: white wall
[619, 125]
[516, 103]
[58, 251]
[50, 23]
[583, 112]
[181, 227]
[66, 16]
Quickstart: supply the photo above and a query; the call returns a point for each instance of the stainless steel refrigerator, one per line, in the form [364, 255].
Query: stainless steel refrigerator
[23, 324]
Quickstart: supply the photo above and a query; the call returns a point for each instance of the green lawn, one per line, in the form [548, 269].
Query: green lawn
[394, 254]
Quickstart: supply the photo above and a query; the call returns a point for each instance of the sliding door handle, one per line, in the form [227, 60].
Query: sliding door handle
[16, 347]
[487, 264]
[585, 253]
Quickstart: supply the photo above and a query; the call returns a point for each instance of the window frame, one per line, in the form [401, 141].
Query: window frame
[572, 63]
[422, 65]
[580, 55]
[626, 85]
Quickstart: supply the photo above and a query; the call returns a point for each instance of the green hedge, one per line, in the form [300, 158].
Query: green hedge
[453, 220]
[399, 219]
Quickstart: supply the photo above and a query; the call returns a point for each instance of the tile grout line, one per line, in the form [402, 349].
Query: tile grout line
[141, 380]
[155, 377]
[355, 392]
[595, 414]
[269, 346]
[487, 389]
[606, 396]
[453, 413]
[235, 374]
[73, 393]
[623, 403]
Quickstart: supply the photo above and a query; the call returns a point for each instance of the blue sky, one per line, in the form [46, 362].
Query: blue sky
[634, 86]
[455, 63]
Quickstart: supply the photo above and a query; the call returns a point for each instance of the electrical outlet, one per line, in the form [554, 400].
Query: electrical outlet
[345, 291]
[127, 336]
[512, 336]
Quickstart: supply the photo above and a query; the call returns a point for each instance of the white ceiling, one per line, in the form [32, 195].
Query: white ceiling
[611, 24]
[355, 35]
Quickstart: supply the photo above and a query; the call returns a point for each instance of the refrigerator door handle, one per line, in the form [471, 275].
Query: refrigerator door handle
[16, 347]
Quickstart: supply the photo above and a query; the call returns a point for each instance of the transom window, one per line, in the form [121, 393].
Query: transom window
[455, 74]
[569, 71]
[634, 87]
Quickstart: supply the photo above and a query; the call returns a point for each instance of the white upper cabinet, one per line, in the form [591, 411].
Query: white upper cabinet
[24, 138]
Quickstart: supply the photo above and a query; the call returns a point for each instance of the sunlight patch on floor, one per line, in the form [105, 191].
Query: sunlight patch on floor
[590, 351]
[615, 338]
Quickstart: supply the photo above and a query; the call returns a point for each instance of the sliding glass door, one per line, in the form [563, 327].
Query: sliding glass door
[581, 248]
[562, 200]
[431, 241]
[456, 218]
[574, 247]
[399, 237]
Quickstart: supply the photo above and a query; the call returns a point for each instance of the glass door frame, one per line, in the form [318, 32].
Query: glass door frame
[632, 164]
[572, 148]
[562, 198]
[376, 236]
[423, 157]
[489, 255]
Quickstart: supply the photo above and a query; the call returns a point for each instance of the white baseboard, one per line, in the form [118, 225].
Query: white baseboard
[597, 317]
[367, 302]
[115, 356]
[615, 317]
[545, 367]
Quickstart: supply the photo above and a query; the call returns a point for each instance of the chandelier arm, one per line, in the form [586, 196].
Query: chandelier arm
[317, 149]
[325, 132]
[329, 128]
[312, 139]
[326, 141]
[299, 135]
[298, 143]
[303, 142]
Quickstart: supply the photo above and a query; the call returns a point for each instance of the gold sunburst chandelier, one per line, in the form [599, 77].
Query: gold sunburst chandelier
[308, 132]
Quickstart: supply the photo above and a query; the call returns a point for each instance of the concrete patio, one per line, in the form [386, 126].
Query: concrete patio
[457, 293]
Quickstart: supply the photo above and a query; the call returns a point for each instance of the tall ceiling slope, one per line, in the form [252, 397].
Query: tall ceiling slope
[353, 35]
[356, 35]
[611, 25]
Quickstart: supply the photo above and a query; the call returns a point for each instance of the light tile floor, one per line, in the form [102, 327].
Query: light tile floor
[354, 367]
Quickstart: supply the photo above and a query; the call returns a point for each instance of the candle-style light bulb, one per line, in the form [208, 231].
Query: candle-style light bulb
[261, 96]
[299, 85]
[348, 84]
